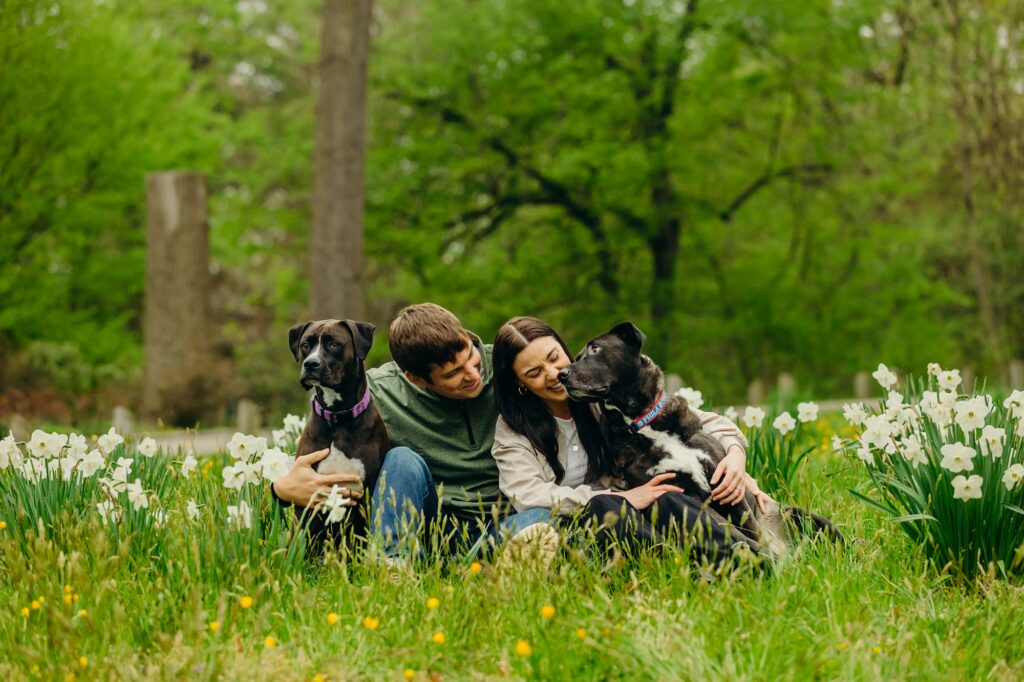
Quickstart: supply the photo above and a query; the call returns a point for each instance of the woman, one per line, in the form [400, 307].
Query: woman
[550, 452]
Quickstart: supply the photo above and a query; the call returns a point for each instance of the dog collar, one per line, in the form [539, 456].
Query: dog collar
[644, 420]
[334, 417]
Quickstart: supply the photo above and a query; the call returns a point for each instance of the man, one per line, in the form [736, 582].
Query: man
[437, 402]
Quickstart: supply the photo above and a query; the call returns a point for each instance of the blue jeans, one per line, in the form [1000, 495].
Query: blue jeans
[405, 503]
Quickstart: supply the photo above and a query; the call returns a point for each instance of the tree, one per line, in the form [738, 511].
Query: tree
[337, 237]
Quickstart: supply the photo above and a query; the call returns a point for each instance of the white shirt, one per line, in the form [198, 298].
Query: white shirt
[575, 457]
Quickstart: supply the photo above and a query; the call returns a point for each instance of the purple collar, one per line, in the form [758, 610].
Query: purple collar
[335, 417]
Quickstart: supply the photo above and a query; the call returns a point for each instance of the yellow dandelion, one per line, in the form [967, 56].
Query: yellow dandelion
[269, 642]
[67, 589]
[3, 524]
[547, 612]
[679, 560]
[36, 604]
[842, 646]
[408, 673]
[876, 650]
[475, 567]
[438, 637]
[606, 632]
[68, 599]
[332, 618]
[41, 599]
[245, 602]
[319, 677]
[83, 661]
[214, 625]
[433, 603]
[70, 677]
[24, 612]
[523, 648]
[581, 633]
[371, 623]
[74, 597]
[83, 613]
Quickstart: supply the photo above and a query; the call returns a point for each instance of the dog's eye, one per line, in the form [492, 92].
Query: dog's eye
[334, 345]
[593, 349]
[304, 347]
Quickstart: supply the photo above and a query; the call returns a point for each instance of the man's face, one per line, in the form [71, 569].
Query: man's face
[459, 379]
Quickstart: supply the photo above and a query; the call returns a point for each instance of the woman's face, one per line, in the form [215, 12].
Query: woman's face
[537, 367]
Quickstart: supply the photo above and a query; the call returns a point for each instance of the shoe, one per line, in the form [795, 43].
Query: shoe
[533, 547]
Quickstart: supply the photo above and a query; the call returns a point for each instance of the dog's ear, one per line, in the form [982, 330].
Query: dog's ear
[294, 334]
[362, 337]
[628, 332]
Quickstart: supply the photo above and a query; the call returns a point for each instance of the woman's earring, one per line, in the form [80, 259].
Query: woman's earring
[521, 389]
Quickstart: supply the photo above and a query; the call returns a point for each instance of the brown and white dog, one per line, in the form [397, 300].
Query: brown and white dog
[343, 416]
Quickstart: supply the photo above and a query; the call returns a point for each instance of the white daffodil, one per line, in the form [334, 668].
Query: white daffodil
[949, 379]
[971, 413]
[275, 464]
[1020, 428]
[251, 472]
[807, 412]
[39, 444]
[280, 438]
[692, 396]
[117, 480]
[854, 414]
[957, 457]
[192, 510]
[247, 448]
[933, 369]
[731, 414]
[34, 469]
[877, 431]
[837, 444]
[912, 451]
[240, 516]
[147, 448]
[967, 488]
[753, 417]
[294, 425]
[109, 512]
[189, 465]
[234, 476]
[940, 414]
[78, 446]
[929, 400]
[1013, 476]
[864, 453]
[335, 505]
[110, 440]
[91, 463]
[1015, 404]
[784, 423]
[159, 518]
[992, 440]
[894, 401]
[10, 453]
[884, 376]
[67, 467]
[136, 495]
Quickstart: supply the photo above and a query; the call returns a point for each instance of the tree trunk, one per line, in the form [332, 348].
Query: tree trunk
[337, 240]
[178, 344]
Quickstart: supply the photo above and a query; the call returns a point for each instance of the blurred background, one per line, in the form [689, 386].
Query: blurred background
[795, 187]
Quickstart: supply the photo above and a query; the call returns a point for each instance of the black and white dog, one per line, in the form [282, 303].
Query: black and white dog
[343, 416]
[649, 433]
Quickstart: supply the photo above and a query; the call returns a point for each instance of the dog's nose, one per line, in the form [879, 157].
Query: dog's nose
[311, 365]
[564, 374]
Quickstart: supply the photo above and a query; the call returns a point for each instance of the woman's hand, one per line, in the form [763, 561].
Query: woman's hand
[732, 472]
[302, 484]
[763, 500]
[643, 496]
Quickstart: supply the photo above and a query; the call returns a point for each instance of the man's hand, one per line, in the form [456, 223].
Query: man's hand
[732, 472]
[643, 496]
[303, 486]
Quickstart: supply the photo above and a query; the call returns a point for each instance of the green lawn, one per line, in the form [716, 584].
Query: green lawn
[143, 605]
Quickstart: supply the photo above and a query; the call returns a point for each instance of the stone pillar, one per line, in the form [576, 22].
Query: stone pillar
[862, 386]
[755, 392]
[177, 329]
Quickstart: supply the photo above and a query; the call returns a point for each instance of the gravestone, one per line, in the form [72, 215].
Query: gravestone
[755, 392]
[123, 421]
[786, 385]
[862, 386]
[1015, 374]
[249, 420]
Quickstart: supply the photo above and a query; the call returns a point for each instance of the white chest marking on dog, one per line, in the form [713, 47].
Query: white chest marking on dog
[338, 463]
[330, 396]
[681, 457]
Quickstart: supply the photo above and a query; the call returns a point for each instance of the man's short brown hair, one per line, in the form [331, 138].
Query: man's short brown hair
[425, 335]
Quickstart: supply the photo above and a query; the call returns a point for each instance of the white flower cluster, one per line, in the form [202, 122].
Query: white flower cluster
[692, 396]
[57, 455]
[253, 461]
[959, 420]
[286, 437]
[753, 417]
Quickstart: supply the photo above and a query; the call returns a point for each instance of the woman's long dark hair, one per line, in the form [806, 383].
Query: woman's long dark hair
[527, 414]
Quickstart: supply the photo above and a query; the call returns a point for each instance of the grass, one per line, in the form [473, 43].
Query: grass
[141, 607]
